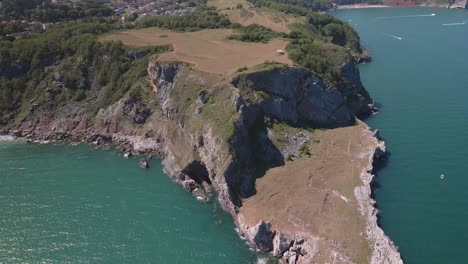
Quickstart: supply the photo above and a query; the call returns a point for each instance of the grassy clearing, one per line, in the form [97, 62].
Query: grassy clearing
[248, 15]
[305, 194]
[207, 50]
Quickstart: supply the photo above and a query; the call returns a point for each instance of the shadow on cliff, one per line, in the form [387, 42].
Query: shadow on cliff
[253, 153]
[289, 95]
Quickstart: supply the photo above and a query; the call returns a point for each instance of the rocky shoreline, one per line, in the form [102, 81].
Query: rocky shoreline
[305, 247]
[195, 151]
[262, 237]
[384, 249]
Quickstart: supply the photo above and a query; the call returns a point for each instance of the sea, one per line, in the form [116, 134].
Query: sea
[419, 81]
[75, 204]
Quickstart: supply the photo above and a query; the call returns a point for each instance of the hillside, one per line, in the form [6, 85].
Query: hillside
[210, 93]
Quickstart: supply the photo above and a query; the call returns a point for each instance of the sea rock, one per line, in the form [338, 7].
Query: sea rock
[144, 164]
[189, 185]
[380, 153]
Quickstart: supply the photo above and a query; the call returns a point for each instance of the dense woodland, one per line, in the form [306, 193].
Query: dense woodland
[79, 61]
[202, 18]
[316, 5]
[254, 33]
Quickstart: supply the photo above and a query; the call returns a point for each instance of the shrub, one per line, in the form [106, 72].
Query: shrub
[254, 33]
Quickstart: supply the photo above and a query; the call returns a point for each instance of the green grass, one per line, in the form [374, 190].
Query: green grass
[221, 112]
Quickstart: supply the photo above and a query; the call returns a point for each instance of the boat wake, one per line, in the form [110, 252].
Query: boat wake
[393, 36]
[428, 15]
[455, 24]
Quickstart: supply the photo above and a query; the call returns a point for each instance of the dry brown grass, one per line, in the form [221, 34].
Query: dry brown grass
[248, 15]
[208, 50]
[304, 195]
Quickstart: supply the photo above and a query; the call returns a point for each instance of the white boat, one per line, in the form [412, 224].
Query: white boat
[442, 176]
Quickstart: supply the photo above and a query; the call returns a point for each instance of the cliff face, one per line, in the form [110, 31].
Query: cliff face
[209, 131]
[296, 96]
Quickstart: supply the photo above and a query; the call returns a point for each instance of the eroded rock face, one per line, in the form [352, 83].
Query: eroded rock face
[297, 95]
[136, 110]
[263, 236]
[197, 171]
[281, 109]
[194, 158]
[358, 98]
[163, 76]
[254, 153]
[281, 244]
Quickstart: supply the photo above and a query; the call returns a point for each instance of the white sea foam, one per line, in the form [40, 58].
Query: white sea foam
[427, 15]
[6, 138]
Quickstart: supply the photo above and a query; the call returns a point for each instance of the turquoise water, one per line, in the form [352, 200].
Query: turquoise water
[74, 204]
[419, 77]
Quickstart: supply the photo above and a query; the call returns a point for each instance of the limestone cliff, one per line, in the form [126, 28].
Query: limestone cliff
[212, 131]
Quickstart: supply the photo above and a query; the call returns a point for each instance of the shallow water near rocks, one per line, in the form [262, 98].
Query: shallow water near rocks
[419, 78]
[75, 204]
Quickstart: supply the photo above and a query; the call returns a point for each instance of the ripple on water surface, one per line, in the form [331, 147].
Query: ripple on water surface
[421, 83]
[73, 204]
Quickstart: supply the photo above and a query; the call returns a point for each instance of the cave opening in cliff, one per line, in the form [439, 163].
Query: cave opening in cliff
[197, 171]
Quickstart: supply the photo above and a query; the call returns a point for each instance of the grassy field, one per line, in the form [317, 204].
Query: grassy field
[248, 15]
[207, 50]
[315, 195]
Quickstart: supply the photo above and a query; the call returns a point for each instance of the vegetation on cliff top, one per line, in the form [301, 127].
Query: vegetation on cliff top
[316, 5]
[62, 64]
[254, 33]
[74, 50]
[202, 18]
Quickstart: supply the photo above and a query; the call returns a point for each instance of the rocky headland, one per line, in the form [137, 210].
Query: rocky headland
[230, 134]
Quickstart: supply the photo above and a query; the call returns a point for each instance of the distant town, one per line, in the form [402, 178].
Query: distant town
[20, 25]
